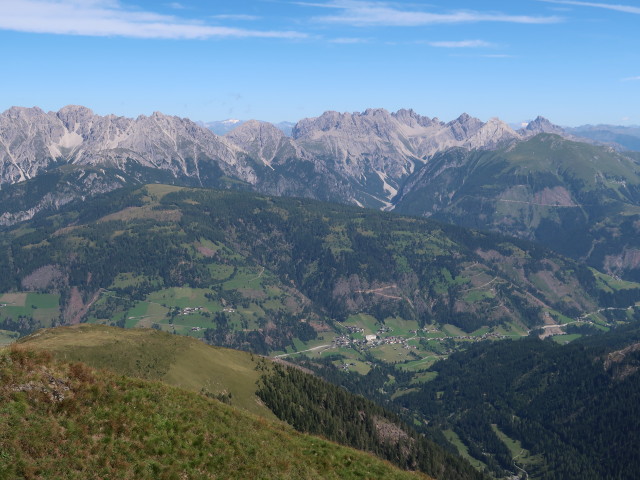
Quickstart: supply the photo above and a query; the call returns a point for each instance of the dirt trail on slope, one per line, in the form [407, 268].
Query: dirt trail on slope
[377, 291]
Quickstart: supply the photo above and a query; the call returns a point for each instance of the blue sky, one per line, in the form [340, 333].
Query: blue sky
[574, 62]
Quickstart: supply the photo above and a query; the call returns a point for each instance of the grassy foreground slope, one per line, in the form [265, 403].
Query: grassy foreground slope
[235, 378]
[62, 420]
[179, 361]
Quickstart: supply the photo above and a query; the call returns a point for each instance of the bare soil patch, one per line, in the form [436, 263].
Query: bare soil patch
[132, 213]
[14, 299]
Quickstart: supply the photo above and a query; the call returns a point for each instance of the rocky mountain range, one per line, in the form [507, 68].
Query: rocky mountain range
[379, 159]
[34, 141]
[360, 158]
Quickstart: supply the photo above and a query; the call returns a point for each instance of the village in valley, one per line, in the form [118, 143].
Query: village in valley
[362, 341]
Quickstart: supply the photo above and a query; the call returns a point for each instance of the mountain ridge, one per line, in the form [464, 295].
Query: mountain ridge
[363, 161]
[567, 195]
[374, 159]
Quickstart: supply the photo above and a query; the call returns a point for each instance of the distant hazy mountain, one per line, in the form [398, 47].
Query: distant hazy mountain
[286, 127]
[223, 127]
[621, 138]
[618, 137]
[220, 127]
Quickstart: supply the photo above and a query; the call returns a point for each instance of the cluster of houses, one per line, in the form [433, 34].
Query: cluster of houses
[427, 329]
[373, 340]
[376, 341]
[351, 329]
[342, 341]
[190, 310]
[345, 366]
[475, 338]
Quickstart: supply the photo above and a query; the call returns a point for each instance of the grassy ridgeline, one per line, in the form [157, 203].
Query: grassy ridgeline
[62, 420]
[232, 376]
[179, 361]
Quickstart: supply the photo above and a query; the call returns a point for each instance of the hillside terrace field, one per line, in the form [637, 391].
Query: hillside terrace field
[189, 312]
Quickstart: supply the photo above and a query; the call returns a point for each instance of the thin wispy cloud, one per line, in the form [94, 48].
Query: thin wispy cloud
[236, 17]
[101, 18]
[607, 6]
[473, 55]
[347, 41]
[461, 44]
[631, 79]
[364, 14]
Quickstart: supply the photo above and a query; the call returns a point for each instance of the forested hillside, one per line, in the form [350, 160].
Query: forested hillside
[312, 405]
[556, 412]
[578, 199]
[257, 273]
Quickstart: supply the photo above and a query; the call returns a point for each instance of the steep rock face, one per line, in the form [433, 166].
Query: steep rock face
[265, 142]
[381, 149]
[464, 126]
[32, 141]
[348, 138]
[491, 135]
[26, 135]
[367, 148]
[288, 168]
